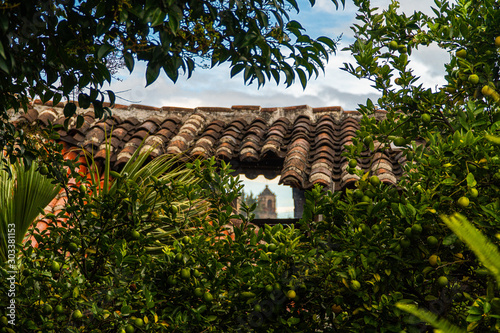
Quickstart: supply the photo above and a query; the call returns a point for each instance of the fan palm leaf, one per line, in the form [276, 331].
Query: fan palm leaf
[22, 198]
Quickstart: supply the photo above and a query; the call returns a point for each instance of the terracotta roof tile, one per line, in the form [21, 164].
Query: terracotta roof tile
[305, 143]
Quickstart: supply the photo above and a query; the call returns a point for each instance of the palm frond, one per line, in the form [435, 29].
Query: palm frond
[486, 251]
[22, 197]
[429, 317]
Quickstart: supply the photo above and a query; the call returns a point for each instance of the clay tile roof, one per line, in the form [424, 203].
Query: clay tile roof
[303, 145]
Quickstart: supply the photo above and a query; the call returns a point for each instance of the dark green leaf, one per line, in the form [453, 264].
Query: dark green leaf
[129, 61]
[69, 109]
[236, 69]
[83, 101]
[152, 73]
[112, 97]
[79, 121]
[104, 50]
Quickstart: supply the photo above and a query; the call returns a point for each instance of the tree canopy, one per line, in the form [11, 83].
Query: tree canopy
[53, 48]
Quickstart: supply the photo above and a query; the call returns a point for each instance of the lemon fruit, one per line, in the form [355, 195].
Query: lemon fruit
[139, 322]
[375, 181]
[393, 45]
[432, 241]
[291, 294]
[55, 267]
[199, 292]
[72, 247]
[208, 297]
[77, 315]
[416, 229]
[134, 234]
[463, 202]
[442, 281]
[473, 78]
[185, 273]
[434, 260]
[355, 285]
[129, 328]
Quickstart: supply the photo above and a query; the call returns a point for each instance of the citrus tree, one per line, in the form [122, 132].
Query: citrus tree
[389, 242]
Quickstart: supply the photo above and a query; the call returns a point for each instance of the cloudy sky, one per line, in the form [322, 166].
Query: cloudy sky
[214, 87]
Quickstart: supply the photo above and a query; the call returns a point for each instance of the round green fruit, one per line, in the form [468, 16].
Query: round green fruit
[416, 229]
[129, 328]
[375, 181]
[272, 247]
[77, 315]
[434, 260]
[368, 141]
[186, 239]
[463, 202]
[179, 257]
[139, 322]
[43, 170]
[72, 247]
[208, 297]
[408, 232]
[134, 234]
[442, 281]
[393, 45]
[172, 280]
[473, 192]
[432, 241]
[400, 142]
[185, 273]
[196, 273]
[55, 267]
[358, 193]
[291, 294]
[199, 292]
[269, 288]
[405, 243]
[59, 309]
[355, 285]
[461, 53]
[353, 163]
[497, 41]
[426, 118]
[366, 198]
[257, 308]
[473, 78]
[402, 49]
